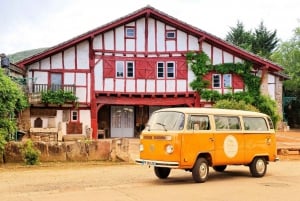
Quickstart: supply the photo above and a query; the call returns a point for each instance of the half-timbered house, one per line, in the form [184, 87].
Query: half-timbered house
[126, 69]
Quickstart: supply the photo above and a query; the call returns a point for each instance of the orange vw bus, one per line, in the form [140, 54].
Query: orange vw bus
[195, 139]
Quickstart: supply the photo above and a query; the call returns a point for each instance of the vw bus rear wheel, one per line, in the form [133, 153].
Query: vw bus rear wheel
[162, 172]
[200, 170]
[258, 167]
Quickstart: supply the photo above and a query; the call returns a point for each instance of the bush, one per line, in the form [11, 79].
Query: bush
[233, 104]
[31, 155]
[2, 147]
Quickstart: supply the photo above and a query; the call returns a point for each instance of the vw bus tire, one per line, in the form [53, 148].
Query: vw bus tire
[162, 172]
[258, 167]
[200, 170]
[219, 168]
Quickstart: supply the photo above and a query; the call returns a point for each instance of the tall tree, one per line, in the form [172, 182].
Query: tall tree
[12, 101]
[240, 37]
[264, 41]
[261, 42]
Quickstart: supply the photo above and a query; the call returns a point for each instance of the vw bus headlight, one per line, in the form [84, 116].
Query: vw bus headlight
[169, 149]
[141, 147]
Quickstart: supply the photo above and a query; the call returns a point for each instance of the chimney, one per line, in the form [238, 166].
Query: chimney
[4, 61]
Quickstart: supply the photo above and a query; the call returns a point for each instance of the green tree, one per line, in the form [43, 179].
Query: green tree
[240, 37]
[288, 55]
[264, 41]
[261, 42]
[12, 101]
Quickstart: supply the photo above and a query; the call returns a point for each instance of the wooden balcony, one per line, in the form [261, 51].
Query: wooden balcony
[36, 96]
[38, 88]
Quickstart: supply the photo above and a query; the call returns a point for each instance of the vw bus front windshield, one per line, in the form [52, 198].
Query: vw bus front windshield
[166, 121]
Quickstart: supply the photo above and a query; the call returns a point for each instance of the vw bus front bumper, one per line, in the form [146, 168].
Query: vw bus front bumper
[157, 163]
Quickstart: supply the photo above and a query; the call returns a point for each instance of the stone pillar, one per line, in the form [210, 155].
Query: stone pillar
[264, 83]
[279, 95]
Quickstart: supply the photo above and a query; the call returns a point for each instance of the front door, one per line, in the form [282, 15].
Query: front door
[122, 121]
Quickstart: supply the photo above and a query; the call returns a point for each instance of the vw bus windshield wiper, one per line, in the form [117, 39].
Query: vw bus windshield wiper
[163, 125]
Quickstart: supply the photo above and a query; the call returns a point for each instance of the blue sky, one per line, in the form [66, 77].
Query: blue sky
[30, 24]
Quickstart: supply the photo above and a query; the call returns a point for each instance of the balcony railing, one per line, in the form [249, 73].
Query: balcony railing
[38, 88]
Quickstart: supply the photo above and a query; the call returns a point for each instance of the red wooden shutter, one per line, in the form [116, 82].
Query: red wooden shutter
[140, 69]
[109, 68]
[181, 70]
[151, 69]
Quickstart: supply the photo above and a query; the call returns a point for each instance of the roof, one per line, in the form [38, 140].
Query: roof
[202, 110]
[149, 11]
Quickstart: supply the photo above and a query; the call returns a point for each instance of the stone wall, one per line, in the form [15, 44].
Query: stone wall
[89, 150]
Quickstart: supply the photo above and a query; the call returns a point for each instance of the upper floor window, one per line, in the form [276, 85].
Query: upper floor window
[130, 32]
[121, 71]
[216, 80]
[170, 34]
[160, 69]
[220, 80]
[130, 69]
[56, 81]
[227, 83]
[168, 67]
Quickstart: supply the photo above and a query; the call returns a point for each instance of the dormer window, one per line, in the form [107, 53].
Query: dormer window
[170, 34]
[130, 32]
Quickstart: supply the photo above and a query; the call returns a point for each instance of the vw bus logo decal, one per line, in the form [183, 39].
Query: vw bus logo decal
[230, 146]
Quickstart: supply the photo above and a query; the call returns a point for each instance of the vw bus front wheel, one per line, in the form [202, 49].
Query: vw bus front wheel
[162, 172]
[200, 170]
[258, 167]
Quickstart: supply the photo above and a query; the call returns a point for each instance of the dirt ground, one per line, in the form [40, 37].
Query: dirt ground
[96, 180]
[286, 140]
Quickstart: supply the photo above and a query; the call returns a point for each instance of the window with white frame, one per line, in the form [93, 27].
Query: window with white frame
[130, 32]
[119, 69]
[227, 81]
[168, 67]
[216, 80]
[130, 69]
[160, 69]
[74, 115]
[219, 80]
[170, 34]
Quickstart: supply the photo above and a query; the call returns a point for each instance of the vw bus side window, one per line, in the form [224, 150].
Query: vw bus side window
[166, 121]
[255, 124]
[198, 122]
[227, 123]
